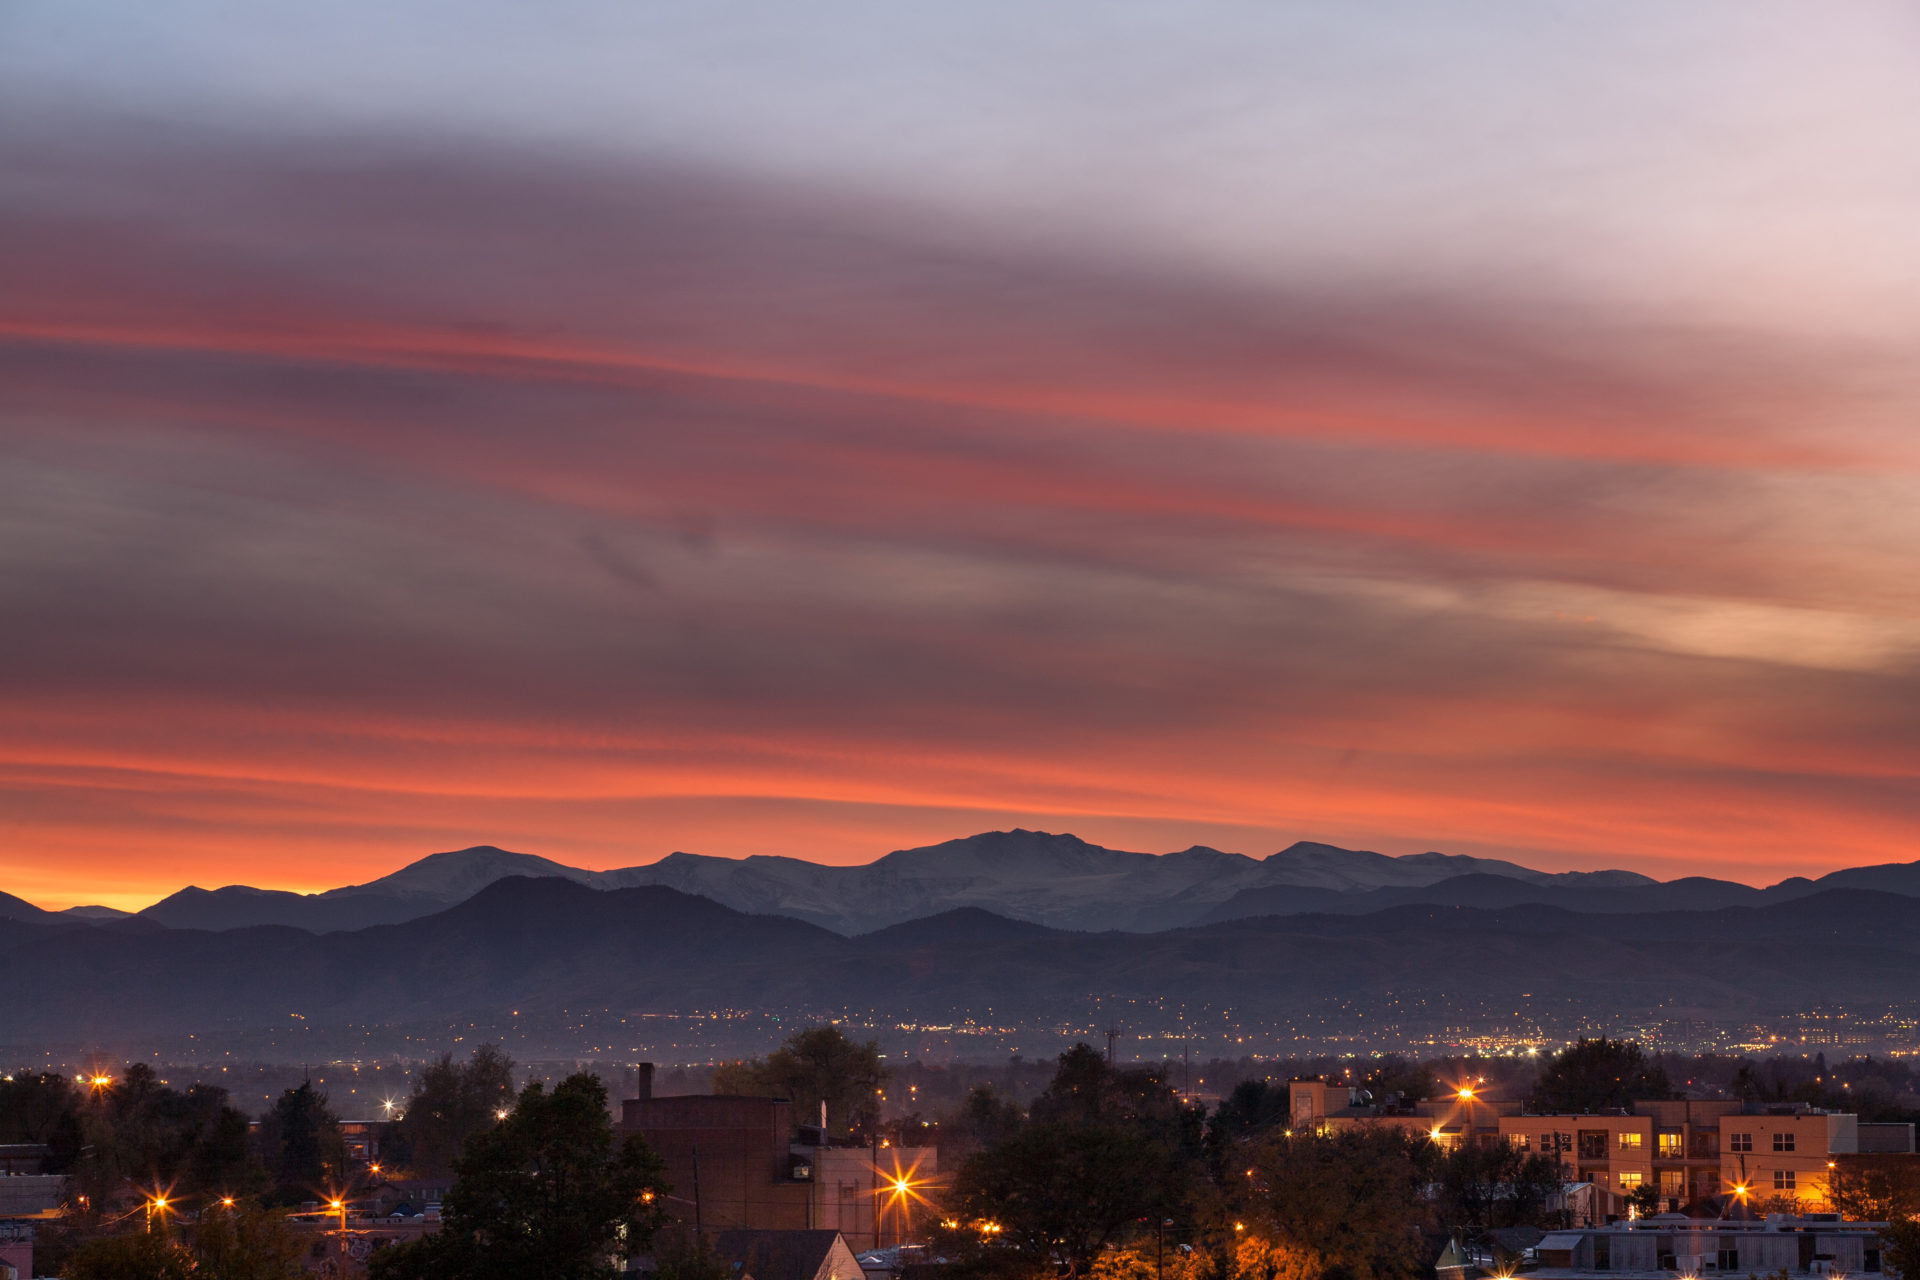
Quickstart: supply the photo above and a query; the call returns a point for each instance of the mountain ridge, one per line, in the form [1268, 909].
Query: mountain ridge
[1055, 879]
[551, 943]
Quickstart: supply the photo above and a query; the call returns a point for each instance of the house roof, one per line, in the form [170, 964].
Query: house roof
[779, 1255]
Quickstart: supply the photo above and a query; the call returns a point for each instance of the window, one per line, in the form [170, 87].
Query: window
[1522, 1141]
[1783, 1142]
[1673, 1182]
[1629, 1142]
[1629, 1181]
[1673, 1146]
[1739, 1142]
[1783, 1180]
[1729, 1258]
[1593, 1144]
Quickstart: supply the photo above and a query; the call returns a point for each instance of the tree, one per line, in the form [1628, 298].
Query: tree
[43, 1109]
[1253, 1107]
[1101, 1150]
[1062, 1189]
[302, 1144]
[1879, 1193]
[137, 1130]
[1087, 1088]
[984, 1119]
[1482, 1188]
[1598, 1075]
[1351, 1198]
[1645, 1199]
[240, 1243]
[130, 1257]
[244, 1242]
[451, 1102]
[546, 1192]
[815, 1065]
[1903, 1248]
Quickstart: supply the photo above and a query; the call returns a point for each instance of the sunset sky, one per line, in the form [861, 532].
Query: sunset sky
[601, 429]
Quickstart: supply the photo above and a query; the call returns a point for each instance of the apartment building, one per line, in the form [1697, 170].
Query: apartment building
[1689, 1150]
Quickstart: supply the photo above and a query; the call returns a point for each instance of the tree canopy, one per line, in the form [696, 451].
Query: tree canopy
[1598, 1075]
[130, 1129]
[1345, 1202]
[1101, 1150]
[303, 1146]
[451, 1102]
[815, 1065]
[1482, 1188]
[243, 1242]
[547, 1192]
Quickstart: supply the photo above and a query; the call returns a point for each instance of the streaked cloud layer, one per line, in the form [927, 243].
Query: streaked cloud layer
[624, 434]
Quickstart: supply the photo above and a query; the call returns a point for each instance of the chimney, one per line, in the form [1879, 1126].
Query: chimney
[643, 1082]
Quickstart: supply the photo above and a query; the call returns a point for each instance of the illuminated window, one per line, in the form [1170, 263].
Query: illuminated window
[1783, 1142]
[1739, 1142]
[1673, 1146]
[1783, 1180]
[1629, 1181]
[1521, 1141]
[1629, 1142]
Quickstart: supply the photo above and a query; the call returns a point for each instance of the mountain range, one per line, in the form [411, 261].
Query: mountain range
[1051, 879]
[551, 944]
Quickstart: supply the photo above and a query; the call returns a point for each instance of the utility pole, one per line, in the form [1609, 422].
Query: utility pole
[1113, 1036]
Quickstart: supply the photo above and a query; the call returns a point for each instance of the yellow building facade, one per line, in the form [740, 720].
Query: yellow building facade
[1770, 1157]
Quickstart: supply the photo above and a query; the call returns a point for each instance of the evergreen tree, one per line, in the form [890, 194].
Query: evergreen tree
[451, 1102]
[301, 1141]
